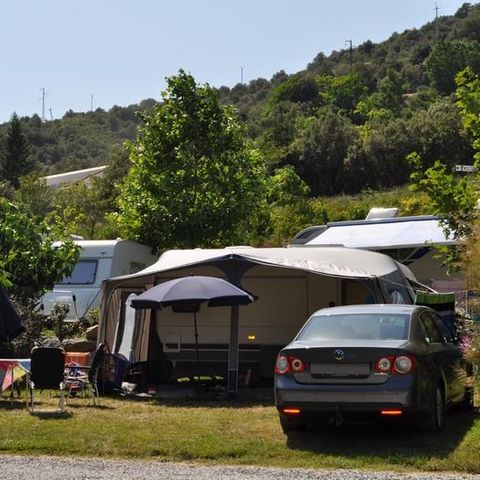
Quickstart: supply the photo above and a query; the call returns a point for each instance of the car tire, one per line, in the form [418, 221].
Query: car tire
[434, 420]
[290, 424]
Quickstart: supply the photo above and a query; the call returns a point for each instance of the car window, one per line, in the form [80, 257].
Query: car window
[430, 330]
[357, 326]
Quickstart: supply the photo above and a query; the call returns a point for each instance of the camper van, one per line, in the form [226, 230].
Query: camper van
[99, 260]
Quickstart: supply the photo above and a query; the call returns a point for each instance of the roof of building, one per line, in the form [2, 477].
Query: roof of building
[73, 177]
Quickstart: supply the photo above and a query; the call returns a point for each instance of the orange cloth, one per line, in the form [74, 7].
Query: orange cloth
[80, 358]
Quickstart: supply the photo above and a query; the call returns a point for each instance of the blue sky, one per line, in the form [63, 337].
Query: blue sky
[120, 51]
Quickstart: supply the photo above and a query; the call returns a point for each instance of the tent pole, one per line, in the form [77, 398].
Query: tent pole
[197, 356]
[232, 383]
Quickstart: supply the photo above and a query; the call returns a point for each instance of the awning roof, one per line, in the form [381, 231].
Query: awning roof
[332, 261]
[406, 232]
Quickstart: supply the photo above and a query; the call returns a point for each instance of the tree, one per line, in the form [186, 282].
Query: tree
[194, 180]
[454, 197]
[15, 162]
[34, 197]
[319, 151]
[30, 263]
[449, 58]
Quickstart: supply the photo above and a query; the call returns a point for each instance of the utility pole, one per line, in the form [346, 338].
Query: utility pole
[51, 114]
[241, 74]
[91, 102]
[349, 42]
[44, 94]
[437, 34]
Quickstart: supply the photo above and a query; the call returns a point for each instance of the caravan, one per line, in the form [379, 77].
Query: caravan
[99, 260]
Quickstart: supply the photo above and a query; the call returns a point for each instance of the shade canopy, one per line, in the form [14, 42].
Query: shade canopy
[11, 325]
[194, 289]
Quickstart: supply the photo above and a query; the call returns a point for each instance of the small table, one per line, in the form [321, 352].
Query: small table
[11, 370]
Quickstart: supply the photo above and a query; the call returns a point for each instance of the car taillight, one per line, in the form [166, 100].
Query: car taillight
[296, 364]
[289, 364]
[281, 365]
[402, 364]
[384, 364]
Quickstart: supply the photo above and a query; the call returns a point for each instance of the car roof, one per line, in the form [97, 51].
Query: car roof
[370, 308]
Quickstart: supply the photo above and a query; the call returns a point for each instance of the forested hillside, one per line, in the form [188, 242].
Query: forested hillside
[346, 123]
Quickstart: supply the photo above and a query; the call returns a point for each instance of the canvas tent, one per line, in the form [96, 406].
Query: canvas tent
[290, 283]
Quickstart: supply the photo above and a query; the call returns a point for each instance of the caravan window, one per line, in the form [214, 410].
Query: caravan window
[84, 273]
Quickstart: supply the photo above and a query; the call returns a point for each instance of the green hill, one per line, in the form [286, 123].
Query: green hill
[345, 123]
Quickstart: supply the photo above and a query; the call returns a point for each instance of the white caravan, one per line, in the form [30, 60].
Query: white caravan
[99, 260]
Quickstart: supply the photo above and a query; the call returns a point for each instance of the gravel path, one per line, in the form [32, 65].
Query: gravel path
[51, 468]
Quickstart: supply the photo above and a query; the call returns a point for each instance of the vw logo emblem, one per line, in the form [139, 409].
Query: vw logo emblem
[339, 354]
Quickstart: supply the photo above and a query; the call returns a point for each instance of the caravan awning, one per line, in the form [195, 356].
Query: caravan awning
[332, 261]
[406, 232]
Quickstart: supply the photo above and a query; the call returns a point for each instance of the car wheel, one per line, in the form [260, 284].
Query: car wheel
[290, 424]
[435, 418]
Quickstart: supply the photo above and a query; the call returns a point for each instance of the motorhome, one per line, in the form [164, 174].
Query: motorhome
[99, 260]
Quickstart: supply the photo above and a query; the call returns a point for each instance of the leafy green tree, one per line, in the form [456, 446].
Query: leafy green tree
[297, 89]
[468, 101]
[449, 58]
[439, 135]
[194, 179]
[344, 92]
[29, 261]
[15, 162]
[34, 197]
[456, 197]
[319, 152]
[82, 204]
[290, 207]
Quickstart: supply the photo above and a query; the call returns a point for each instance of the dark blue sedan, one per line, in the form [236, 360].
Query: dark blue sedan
[366, 362]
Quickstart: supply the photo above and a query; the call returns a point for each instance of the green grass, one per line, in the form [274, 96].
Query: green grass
[231, 433]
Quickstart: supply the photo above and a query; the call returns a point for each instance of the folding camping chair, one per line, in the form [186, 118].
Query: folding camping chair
[47, 371]
[81, 378]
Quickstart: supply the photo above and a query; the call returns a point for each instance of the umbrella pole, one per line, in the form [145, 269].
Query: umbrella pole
[232, 380]
[197, 356]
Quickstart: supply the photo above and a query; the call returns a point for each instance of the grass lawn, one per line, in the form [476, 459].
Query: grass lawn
[230, 433]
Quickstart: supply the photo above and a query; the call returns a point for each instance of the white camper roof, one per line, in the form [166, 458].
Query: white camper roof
[332, 261]
[402, 232]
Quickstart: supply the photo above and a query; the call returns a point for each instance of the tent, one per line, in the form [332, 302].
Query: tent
[290, 283]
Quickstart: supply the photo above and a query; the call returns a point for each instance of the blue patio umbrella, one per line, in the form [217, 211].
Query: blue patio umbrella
[11, 325]
[185, 294]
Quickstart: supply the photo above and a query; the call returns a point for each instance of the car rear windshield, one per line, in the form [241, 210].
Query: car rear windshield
[355, 326]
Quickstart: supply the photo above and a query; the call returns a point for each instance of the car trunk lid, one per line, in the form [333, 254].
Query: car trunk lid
[348, 362]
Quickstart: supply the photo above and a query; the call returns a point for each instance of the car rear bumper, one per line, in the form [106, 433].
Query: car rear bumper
[398, 393]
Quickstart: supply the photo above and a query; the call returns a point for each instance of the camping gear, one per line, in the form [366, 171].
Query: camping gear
[290, 283]
[112, 372]
[11, 325]
[442, 303]
[186, 294]
[84, 377]
[47, 370]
